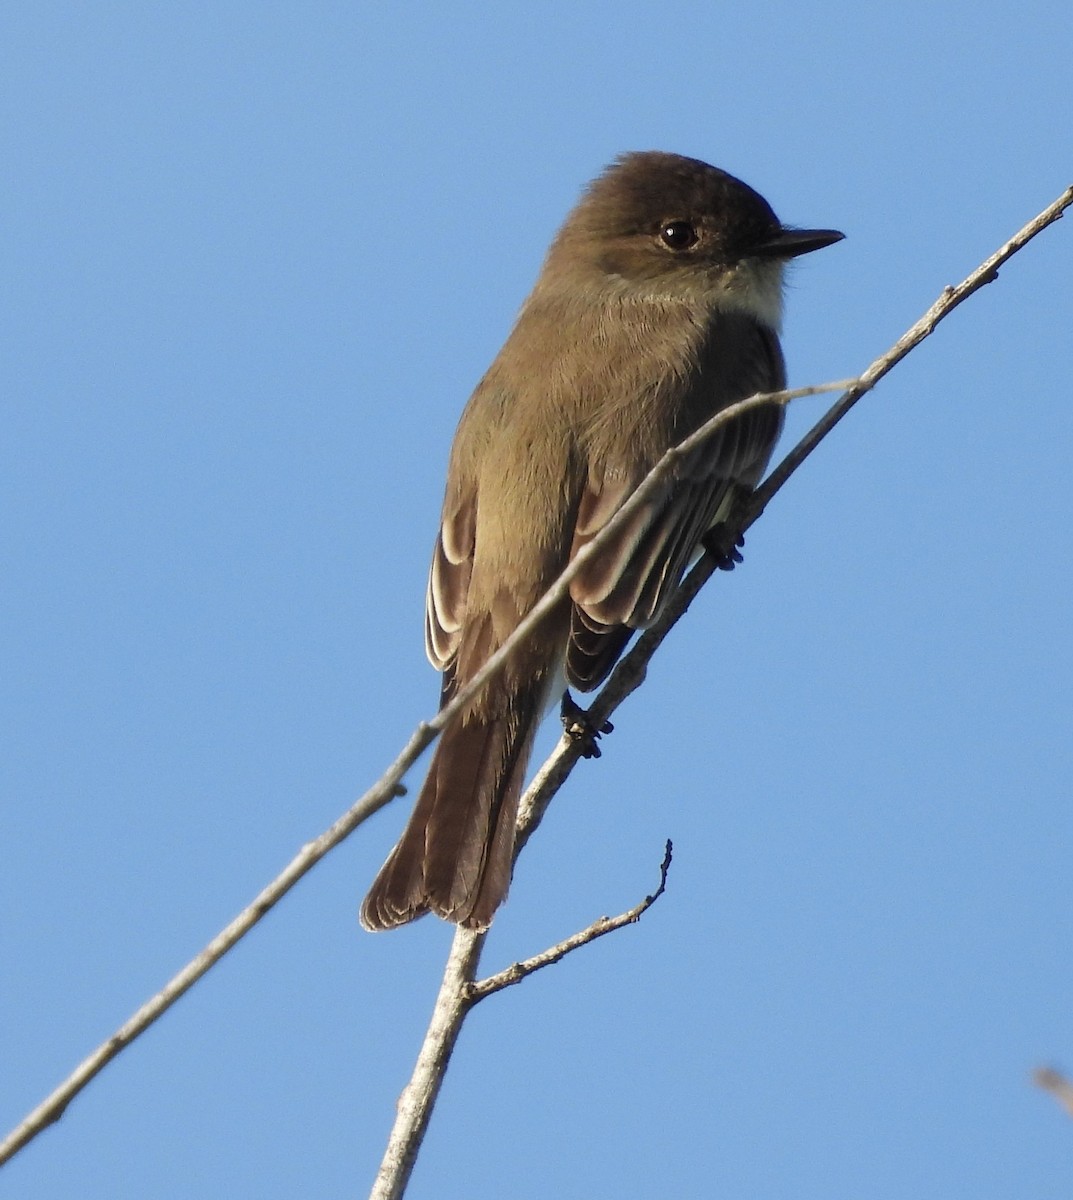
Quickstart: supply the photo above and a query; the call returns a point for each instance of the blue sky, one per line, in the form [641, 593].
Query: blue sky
[255, 258]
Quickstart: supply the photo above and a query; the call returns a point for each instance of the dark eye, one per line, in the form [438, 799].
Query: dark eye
[678, 235]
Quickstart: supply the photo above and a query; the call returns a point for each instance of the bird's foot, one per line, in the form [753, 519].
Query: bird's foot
[577, 726]
[727, 554]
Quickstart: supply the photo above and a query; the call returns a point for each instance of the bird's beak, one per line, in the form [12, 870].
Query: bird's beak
[789, 243]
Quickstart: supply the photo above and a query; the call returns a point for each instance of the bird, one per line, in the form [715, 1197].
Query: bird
[659, 303]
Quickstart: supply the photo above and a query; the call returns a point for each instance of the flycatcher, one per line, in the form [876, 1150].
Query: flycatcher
[659, 304]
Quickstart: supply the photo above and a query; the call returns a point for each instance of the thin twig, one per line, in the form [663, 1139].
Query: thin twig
[53, 1106]
[384, 790]
[457, 995]
[518, 971]
[986, 272]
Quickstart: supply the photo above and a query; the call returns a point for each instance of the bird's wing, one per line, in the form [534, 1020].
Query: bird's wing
[448, 578]
[628, 582]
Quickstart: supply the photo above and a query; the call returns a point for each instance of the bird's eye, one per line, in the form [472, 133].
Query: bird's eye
[678, 235]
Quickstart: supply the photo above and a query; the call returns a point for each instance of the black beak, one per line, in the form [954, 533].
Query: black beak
[789, 243]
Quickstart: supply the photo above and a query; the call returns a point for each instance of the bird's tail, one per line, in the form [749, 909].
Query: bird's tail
[455, 856]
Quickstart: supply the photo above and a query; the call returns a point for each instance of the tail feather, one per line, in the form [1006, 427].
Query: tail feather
[455, 856]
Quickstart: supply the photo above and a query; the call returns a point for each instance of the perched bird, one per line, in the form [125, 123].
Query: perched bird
[659, 304]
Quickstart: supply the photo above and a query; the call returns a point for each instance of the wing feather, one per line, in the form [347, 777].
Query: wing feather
[448, 579]
[631, 580]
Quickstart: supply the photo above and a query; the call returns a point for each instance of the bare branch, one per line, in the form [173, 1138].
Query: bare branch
[519, 970]
[457, 995]
[986, 272]
[419, 1096]
[386, 788]
[53, 1106]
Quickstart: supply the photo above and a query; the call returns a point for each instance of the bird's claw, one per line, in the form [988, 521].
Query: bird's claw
[714, 542]
[580, 728]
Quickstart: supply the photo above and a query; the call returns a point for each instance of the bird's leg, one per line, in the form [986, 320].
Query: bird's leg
[577, 726]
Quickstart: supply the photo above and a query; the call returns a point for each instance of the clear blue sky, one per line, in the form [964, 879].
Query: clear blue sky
[255, 258]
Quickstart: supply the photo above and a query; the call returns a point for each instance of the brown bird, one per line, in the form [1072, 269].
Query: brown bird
[659, 304]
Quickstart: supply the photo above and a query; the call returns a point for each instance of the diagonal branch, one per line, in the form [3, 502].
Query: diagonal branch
[985, 273]
[385, 789]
